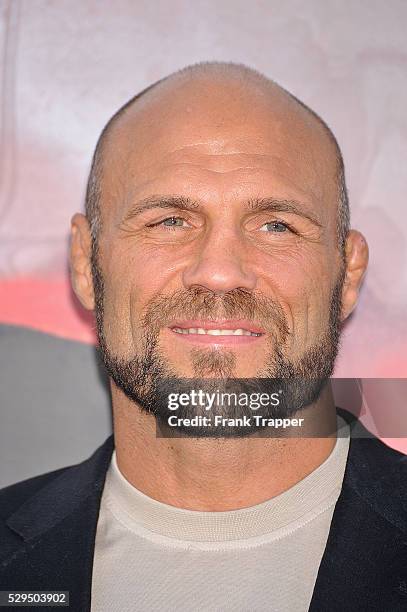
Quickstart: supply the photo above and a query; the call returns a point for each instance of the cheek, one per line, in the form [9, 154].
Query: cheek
[303, 288]
[132, 279]
[312, 309]
[117, 319]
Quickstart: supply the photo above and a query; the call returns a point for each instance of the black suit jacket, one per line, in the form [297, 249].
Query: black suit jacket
[48, 526]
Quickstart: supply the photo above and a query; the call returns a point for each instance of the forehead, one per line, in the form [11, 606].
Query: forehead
[221, 136]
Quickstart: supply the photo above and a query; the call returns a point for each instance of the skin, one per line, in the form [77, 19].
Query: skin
[221, 144]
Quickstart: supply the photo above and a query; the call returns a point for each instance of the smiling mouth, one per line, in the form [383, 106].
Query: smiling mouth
[217, 331]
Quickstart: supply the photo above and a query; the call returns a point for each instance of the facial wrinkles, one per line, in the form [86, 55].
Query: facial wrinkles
[222, 195]
[134, 305]
[279, 142]
[271, 169]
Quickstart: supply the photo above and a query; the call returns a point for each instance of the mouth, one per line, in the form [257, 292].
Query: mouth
[232, 332]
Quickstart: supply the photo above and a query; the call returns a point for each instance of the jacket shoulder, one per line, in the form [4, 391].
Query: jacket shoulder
[371, 453]
[378, 474]
[32, 507]
[54, 484]
[14, 495]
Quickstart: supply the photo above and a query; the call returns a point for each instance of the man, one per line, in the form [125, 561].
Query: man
[216, 247]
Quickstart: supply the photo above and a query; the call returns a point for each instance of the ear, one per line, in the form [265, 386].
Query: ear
[80, 261]
[357, 257]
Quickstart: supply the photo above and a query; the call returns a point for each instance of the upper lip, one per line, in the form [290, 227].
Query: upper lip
[219, 324]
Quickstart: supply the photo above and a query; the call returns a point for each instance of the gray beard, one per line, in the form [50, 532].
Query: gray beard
[147, 381]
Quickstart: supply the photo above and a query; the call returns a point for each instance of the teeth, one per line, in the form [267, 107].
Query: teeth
[215, 332]
[241, 332]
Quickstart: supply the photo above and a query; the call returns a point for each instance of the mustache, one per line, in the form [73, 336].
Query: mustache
[199, 302]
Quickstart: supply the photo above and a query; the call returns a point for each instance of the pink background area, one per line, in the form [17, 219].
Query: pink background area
[68, 65]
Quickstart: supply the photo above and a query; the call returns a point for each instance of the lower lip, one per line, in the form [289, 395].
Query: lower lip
[219, 340]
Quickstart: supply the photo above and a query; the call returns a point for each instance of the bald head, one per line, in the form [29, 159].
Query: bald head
[214, 97]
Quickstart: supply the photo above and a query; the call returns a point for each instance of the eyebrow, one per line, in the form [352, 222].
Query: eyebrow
[252, 205]
[178, 202]
[275, 205]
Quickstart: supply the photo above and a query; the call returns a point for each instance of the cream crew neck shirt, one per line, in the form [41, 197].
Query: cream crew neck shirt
[150, 556]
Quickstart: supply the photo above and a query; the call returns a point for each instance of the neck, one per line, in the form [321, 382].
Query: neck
[217, 474]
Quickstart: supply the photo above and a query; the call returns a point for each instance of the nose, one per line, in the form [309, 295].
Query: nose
[220, 264]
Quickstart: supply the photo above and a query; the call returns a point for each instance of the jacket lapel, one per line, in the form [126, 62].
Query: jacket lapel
[57, 529]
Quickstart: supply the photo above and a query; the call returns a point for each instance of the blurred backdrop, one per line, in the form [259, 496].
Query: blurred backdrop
[66, 67]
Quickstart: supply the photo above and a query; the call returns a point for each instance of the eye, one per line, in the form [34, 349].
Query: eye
[170, 222]
[275, 226]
